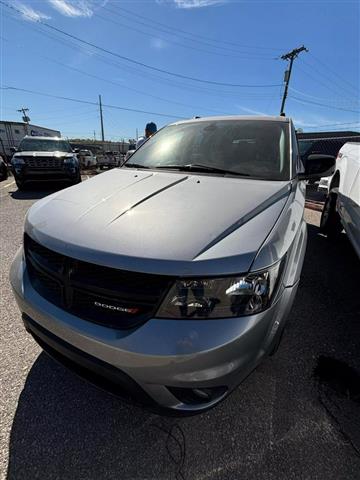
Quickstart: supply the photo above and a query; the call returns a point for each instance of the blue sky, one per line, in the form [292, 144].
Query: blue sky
[228, 42]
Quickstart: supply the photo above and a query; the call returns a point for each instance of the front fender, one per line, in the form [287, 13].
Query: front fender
[289, 227]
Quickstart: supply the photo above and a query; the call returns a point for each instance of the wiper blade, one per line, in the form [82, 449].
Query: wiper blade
[134, 165]
[196, 167]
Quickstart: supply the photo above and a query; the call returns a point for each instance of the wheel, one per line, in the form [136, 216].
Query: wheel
[78, 180]
[20, 185]
[330, 223]
[3, 173]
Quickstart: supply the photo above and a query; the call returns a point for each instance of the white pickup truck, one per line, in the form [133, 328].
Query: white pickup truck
[87, 159]
[342, 205]
[108, 160]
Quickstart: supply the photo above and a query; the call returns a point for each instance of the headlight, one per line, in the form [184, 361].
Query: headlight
[17, 161]
[71, 161]
[222, 297]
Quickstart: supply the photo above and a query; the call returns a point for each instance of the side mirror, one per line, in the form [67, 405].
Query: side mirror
[317, 166]
[13, 149]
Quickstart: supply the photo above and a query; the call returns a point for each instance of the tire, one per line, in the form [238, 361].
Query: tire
[3, 173]
[77, 180]
[20, 185]
[330, 223]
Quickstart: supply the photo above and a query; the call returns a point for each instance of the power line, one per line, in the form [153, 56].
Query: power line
[302, 100]
[66, 114]
[107, 80]
[336, 124]
[318, 98]
[325, 76]
[172, 32]
[172, 28]
[182, 45]
[136, 62]
[335, 73]
[73, 122]
[317, 80]
[117, 107]
[75, 69]
[169, 82]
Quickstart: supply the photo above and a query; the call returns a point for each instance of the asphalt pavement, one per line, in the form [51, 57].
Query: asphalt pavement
[296, 417]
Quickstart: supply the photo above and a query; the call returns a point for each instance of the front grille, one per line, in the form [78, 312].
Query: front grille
[39, 163]
[107, 296]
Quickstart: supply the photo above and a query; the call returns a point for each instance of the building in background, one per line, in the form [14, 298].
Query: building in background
[11, 134]
[328, 143]
[320, 135]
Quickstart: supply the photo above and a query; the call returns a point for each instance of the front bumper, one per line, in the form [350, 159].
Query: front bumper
[45, 175]
[161, 357]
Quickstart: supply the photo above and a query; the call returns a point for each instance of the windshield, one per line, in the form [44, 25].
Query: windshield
[37, 145]
[252, 148]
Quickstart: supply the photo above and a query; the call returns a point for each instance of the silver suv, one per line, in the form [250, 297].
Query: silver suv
[170, 279]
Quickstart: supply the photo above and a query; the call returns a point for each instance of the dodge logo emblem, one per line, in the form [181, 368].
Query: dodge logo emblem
[116, 308]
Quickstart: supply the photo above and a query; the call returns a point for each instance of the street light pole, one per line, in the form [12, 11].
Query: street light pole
[289, 56]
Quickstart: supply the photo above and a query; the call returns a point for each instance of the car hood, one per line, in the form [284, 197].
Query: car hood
[161, 222]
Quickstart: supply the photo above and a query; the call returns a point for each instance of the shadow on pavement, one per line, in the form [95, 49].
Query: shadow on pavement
[274, 426]
[37, 190]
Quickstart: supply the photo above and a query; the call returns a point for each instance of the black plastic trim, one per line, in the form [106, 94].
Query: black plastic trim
[101, 374]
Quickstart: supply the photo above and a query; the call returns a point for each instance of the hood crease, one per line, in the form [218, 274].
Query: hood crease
[284, 192]
[148, 197]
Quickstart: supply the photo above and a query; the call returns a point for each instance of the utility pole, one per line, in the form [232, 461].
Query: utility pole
[101, 120]
[289, 56]
[94, 136]
[25, 118]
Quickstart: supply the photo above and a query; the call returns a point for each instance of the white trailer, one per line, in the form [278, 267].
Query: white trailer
[11, 134]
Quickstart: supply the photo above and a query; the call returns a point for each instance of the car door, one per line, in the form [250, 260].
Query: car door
[349, 191]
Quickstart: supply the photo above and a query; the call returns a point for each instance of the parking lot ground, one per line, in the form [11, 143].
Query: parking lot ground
[296, 417]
